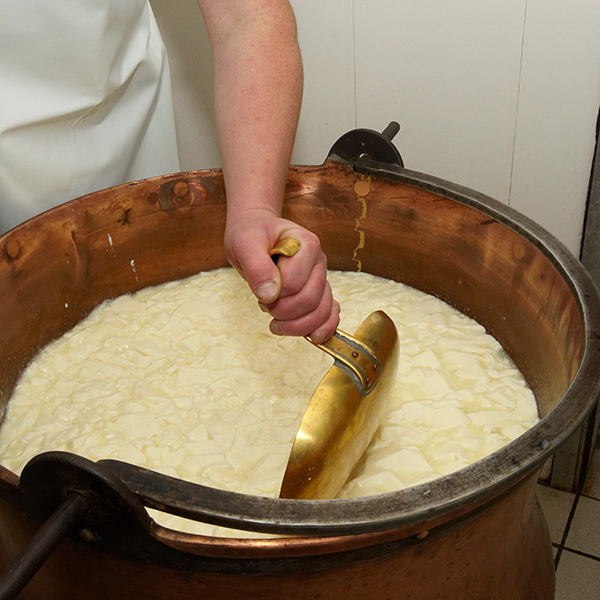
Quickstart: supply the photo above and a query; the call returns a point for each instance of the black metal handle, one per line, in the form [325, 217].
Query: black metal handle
[41, 546]
[69, 495]
[391, 130]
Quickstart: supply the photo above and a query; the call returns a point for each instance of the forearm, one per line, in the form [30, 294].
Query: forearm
[258, 93]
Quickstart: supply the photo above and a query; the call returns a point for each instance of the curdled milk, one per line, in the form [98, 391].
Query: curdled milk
[186, 379]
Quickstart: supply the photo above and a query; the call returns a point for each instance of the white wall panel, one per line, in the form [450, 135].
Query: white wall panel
[448, 72]
[558, 107]
[325, 34]
[190, 59]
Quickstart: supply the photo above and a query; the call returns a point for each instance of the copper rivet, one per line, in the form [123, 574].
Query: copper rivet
[86, 535]
[13, 248]
[362, 187]
[423, 535]
[181, 189]
[519, 251]
[374, 366]
[354, 354]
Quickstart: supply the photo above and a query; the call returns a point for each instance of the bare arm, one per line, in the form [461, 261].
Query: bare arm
[258, 92]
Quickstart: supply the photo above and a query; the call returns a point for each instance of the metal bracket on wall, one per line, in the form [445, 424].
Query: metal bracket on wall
[360, 144]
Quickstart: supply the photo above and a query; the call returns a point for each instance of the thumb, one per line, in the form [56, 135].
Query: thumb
[259, 271]
[267, 291]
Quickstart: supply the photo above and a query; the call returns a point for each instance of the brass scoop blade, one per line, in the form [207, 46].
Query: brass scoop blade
[344, 411]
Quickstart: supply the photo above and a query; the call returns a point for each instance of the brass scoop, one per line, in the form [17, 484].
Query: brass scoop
[345, 409]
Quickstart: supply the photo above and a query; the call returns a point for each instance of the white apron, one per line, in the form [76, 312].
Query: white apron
[85, 101]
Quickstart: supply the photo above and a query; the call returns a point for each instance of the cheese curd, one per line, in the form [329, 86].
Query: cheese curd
[186, 379]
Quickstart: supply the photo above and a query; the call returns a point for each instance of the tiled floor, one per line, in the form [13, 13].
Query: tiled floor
[574, 523]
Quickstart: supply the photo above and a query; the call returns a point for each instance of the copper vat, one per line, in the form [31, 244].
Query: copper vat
[478, 533]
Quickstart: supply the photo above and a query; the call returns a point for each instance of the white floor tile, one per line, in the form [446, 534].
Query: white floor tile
[577, 577]
[584, 532]
[556, 505]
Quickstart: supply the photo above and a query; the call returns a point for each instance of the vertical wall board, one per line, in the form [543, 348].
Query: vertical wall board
[326, 41]
[449, 73]
[190, 60]
[558, 107]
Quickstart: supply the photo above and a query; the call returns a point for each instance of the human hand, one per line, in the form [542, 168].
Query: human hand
[295, 292]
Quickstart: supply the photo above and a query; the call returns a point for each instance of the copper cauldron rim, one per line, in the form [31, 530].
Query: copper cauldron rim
[451, 493]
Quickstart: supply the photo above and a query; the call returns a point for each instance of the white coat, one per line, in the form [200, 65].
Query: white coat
[85, 101]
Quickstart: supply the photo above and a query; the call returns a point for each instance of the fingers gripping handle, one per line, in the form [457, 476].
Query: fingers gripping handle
[349, 354]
